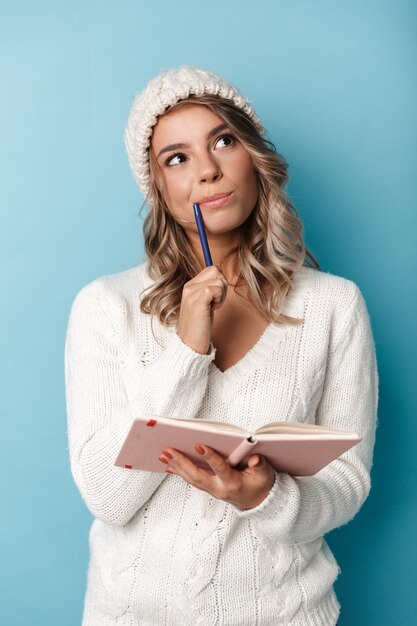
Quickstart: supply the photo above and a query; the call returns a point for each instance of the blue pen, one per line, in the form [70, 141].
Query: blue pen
[202, 233]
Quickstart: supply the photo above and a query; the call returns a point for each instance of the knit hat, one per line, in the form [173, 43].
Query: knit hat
[163, 92]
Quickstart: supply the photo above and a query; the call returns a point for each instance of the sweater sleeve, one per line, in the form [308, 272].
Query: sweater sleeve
[301, 509]
[99, 413]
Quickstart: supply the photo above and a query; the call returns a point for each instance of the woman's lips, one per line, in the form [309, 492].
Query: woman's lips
[214, 201]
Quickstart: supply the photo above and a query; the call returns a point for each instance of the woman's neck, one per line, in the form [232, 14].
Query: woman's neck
[223, 251]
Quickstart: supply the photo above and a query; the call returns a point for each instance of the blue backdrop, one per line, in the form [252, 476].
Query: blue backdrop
[334, 83]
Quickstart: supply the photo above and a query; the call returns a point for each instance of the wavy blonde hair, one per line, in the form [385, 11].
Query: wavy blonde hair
[272, 249]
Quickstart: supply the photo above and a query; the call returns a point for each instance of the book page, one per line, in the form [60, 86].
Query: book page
[272, 428]
[296, 428]
[208, 425]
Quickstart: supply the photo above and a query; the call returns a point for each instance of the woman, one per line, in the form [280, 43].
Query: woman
[261, 336]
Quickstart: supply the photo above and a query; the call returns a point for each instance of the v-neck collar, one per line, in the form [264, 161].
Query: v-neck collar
[270, 339]
[253, 356]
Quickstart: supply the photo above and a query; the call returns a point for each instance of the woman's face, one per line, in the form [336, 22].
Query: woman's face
[200, 160]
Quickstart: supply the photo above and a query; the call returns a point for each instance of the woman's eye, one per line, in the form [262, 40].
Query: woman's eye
[175, 159]
[224, 140]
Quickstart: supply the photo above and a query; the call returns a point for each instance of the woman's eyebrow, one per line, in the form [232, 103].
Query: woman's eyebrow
[179, 146]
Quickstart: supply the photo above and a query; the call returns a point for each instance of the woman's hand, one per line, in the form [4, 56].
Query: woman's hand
[244, 489]
[200, 297]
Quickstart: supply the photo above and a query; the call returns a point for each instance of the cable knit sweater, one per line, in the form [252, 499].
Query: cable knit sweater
[157, 557]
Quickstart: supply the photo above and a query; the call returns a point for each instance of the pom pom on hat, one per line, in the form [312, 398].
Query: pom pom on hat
[161, 93]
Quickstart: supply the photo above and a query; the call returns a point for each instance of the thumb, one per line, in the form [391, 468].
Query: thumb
[255, 461]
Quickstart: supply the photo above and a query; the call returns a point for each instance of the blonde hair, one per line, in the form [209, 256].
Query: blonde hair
[272, 249]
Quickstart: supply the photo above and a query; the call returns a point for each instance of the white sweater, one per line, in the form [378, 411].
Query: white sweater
[156, 558]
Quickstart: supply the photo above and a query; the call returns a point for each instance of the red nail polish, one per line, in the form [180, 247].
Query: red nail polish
[168, 472]
[168, 454]
[163, 459]
[199, 449]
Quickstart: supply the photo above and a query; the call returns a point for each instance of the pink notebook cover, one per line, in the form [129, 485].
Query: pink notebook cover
[298, 455]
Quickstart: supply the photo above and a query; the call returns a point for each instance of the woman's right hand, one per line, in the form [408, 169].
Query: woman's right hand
[202, 295]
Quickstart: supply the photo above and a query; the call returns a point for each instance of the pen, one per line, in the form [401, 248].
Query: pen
[202, 233]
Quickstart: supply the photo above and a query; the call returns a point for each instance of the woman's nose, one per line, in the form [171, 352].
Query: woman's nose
[209, 170]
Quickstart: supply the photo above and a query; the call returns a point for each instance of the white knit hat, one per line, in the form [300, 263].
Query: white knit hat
[162, 92]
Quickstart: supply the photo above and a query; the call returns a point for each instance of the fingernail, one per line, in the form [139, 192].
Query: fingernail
[199, 449]
[168, 454]
[163, 459]
[168, 472]
[258, 462]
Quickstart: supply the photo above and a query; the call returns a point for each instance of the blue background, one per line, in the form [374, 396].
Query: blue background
[334, 83]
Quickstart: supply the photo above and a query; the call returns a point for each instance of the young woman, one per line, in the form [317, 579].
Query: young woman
[262, 335]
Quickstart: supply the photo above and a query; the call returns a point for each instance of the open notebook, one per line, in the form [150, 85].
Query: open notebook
[297, 449]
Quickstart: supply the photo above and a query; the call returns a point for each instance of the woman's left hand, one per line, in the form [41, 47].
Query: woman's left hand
[244, 489]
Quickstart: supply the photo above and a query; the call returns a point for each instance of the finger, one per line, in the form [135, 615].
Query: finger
[197, 283]
[259, 468]
[180, 464]
[210, 294]
[213, 282]
[215, 461]
[255, 461]
[207, 273]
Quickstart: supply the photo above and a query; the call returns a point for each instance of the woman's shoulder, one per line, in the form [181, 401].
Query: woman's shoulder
[331, 290]
[334, 302]
[121, 283]
[113, 292]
